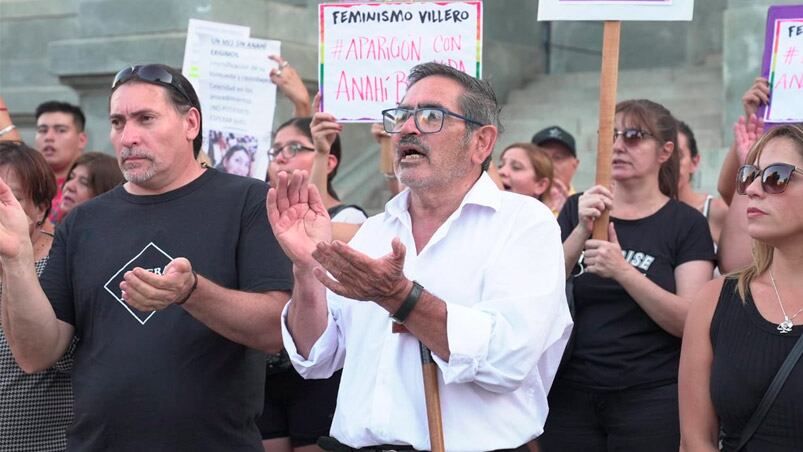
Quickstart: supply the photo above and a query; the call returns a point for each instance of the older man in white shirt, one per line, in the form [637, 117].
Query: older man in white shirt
[474, 273]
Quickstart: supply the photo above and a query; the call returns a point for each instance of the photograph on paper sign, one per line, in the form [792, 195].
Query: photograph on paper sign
[232, 153]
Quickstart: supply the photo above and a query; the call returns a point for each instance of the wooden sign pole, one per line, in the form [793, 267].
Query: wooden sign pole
[432, 395]
[607, 111]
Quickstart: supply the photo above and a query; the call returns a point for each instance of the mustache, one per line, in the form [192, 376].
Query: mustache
[127, 153]
[414, 140]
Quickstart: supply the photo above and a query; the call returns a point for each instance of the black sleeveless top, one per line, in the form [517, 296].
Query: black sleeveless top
[748, 351]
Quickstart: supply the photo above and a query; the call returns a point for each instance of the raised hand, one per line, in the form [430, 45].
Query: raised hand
[745, 134]
[298, 217]
[558, 193]
[757, 95]
[149, 291]
[324, 128]
[360, 277]
[286, 78]
[15, 238]
[5, 122]
[378, 132]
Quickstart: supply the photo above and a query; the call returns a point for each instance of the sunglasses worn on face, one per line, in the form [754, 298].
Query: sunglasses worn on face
[774, 177]
[151, 73]
[427, 119]
[289, 150]
[631, 136]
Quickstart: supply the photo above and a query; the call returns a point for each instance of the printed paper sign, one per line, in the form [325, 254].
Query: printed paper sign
[230, 73]
[615, 9]
[367, 50]
[783, 64]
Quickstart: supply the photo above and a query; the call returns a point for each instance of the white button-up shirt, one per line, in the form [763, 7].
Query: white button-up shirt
[497, 262]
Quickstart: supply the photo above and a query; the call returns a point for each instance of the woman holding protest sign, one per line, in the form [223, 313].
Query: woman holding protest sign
[617, 390]
[297, 412]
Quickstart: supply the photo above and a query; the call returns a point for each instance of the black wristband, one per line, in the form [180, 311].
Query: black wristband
[408, 304]
[192, 289]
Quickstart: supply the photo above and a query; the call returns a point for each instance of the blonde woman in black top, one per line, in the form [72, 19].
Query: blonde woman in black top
[742, 326]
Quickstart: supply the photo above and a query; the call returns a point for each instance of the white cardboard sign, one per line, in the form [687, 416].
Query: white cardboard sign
[367, 50]
[658, 10]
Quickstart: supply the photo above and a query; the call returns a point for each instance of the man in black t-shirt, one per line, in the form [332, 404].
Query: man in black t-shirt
[170, 282]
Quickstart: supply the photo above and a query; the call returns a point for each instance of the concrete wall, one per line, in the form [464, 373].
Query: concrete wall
[70, 50]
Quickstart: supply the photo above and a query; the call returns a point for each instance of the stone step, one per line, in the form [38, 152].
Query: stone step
[658, 92]
[635, 77]
[687, 110]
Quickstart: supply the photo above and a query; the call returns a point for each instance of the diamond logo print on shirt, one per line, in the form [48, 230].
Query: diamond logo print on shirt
[151, 258]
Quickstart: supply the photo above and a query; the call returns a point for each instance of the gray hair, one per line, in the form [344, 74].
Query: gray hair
[478, 101]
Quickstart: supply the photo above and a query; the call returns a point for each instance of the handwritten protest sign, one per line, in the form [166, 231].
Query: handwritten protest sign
[229, 71]
[615, 9]
[367, 49]
[783, 64]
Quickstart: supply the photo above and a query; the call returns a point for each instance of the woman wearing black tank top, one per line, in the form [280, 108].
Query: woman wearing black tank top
[742, 327]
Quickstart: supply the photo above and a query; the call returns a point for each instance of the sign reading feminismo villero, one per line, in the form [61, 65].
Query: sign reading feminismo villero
[367, 49]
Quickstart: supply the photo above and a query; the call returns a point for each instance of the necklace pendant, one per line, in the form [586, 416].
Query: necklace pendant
[785, 326]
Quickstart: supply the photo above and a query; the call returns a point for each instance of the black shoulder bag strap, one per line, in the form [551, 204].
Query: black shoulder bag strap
[771, 394]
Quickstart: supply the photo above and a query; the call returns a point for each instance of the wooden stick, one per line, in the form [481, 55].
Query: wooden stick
[433, 398]
[607, 109]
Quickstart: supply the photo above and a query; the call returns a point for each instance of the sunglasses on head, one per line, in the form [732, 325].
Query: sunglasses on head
[631, 136]
[152, 73]
[774, 177]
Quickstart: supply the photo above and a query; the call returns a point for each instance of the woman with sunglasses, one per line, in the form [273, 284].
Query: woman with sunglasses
[617, 389]
[742, 326]
[35, 409]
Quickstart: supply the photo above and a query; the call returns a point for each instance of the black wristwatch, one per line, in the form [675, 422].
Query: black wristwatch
[408, 304]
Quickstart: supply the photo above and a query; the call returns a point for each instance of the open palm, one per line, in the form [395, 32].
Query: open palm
[13, 224]
[298, 217]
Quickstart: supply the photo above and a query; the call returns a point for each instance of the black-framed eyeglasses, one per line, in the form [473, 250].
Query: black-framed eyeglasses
[631, 136]
[427, 119]
[152, 73]
[774, 177]
[288, 150]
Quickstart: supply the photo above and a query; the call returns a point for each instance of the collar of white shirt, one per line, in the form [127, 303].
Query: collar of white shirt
[484, 192]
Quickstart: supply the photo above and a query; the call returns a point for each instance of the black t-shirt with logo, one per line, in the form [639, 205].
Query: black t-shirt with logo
[617, 345]
[164, 381]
